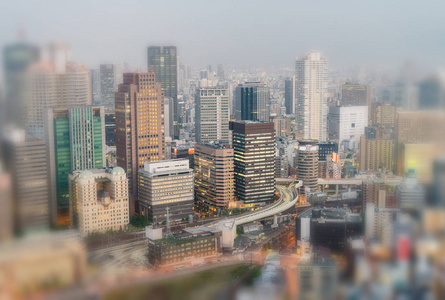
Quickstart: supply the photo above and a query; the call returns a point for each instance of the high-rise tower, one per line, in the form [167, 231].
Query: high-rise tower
[310, 95]
[163, 61]
[140, 133]
[252, 102]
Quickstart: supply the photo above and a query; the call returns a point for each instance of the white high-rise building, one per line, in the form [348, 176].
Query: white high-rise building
[347, 122]
[310, 96]
[99, 200]
[212, 114]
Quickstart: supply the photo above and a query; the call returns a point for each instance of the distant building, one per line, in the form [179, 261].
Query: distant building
[189, 244]
[166, 184]
[411, 196]
[355, 95]
[214, 183]
[140, 135]
[282, 126]
[25, 159]
[311, 97]
[347, 122]
[212, 114]
[289, 95]
[254, 161]
[326, 149]
[99, 200]
[110, 129]
[383, 114]
[75, 138]
[163, 62]
[107, 84]
[186, 150]
[252, 102]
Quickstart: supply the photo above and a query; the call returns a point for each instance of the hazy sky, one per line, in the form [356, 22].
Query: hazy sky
[348, 33]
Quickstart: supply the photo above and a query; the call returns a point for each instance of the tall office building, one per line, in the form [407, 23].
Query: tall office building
[99, 200]
[107, 84]
[307, 164]
[310, 95]
[95, 86]
[383, 114]
[25, 159]
[355, 95]
[213, 176]
[163, 61]
[373, 192]
[75, 138]
[139, 126]
[376, 154]
[17, 58]
[347, 122]
[289, 95]
[254, 161]
[166, 186]
[220, 73]
[212, 114]
[48, 87]
[252, 100]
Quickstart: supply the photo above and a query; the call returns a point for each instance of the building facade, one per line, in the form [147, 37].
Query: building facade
[214, 183]
[166, 185]
[99, 200]
[311, 97]
[289, 95]
[107, 84]
[347, 122]
[252, 101]
[353, 94]
[307, 164]
[75, 139]
[163, 62]
[254, 161]
[140, 136]
[212, 114]
[376, 154]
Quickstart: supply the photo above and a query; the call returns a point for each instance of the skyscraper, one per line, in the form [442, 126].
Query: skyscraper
[213, 176]
[254, 161]
[212, 114]
[17, 58]
[289, 95]
[252, 102]
[163, 61]
[107, 84]
[140, 133]
[376, 154]
[26, 159]
[310, 95]
[347, 122]
[75, 141]
[355, 95]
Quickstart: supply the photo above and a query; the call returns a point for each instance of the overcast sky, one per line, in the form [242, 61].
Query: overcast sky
[248, 32]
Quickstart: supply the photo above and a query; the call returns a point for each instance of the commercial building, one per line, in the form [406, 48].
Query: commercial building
[326, 149]
[107, 84]
[328, 227]
[317, 279]
[188, 244]
[163, 62]
[307, 164]
[99, 200]
[140, 135]
[254, 161]
[376, 154]
[252, 100]
[373, 191]
[347, 122]
[25, 159]
[75, 139]
[353, 94]
[282, 126]
[289, 95]
[311, 97]
[383, 114]
[212, 114]
[166, 185]
[214, 182]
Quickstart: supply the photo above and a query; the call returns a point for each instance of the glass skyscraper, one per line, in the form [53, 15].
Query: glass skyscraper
[163, 61]
[75, 141]
[252, 102]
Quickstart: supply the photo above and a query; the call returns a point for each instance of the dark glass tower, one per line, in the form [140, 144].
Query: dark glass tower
[163, 61]
[252, 102]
